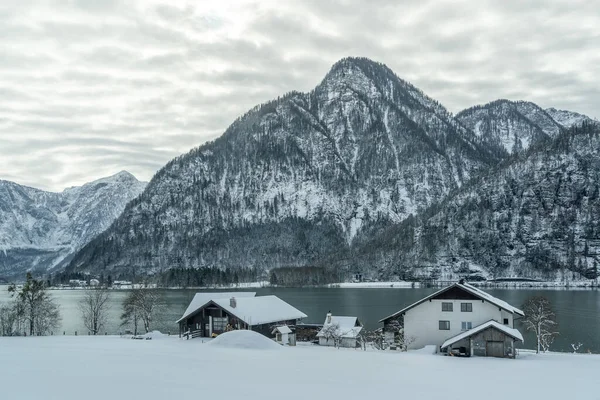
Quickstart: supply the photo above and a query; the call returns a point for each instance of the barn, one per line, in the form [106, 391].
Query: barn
[490, 339]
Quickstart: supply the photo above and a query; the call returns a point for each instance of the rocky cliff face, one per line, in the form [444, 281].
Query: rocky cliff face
[297, 177]
[535, 216]
[41, 230]
[511, 125]
[568, 119]
[366, 173]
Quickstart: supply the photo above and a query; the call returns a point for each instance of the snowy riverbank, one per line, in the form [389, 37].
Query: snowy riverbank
[100, 368]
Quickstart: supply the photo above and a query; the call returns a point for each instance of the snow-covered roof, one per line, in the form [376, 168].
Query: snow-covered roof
[201, 299]
[260, 310]
[349, 327]
[468, 288]
[514, 333]
[283, 329]
[494, 300]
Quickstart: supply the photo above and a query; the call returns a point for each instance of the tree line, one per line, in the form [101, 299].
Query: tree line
[33, 311]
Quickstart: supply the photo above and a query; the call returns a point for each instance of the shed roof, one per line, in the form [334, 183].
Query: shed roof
[514, 333]
[349, 327]
[202, 298]
[469, 289]
[282, 329]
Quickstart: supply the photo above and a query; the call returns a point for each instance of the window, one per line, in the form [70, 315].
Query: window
[466, 307]
[505, 321]
[219, 324]
[446, 306]
[444, 325]
[465, 326]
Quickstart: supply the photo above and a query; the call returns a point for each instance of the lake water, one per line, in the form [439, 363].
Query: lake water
[577, 311]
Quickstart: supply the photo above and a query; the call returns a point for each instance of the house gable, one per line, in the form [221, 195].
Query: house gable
[455, 293]
[458, 291]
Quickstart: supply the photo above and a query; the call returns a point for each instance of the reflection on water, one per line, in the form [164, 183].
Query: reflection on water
[578, 311]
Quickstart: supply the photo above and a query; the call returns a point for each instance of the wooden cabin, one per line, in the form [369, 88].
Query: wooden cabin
[210, 314]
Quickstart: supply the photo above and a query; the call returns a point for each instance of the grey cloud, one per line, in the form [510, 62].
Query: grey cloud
[129, 85]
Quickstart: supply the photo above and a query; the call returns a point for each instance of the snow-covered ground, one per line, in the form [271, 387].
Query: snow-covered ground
[356, 285]
[110, 367]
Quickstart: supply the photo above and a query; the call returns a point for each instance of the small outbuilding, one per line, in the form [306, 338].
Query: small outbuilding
[490, 339]
[340, 331]
[284, 335]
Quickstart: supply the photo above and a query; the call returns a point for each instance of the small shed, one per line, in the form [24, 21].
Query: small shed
[490, 339]
[340, 331]
[284, 335]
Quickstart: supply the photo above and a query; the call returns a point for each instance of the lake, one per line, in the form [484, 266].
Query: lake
[577, 311]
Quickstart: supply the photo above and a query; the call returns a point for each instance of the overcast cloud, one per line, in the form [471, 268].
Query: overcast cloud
[89, 87]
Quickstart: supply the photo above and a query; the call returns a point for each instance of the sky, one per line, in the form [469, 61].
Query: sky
[89, 88]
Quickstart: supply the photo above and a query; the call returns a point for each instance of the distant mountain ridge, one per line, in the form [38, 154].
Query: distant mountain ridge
[333, 176]
[513, 125]
[41, 230]
[568, 119]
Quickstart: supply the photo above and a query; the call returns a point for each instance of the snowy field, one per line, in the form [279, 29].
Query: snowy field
[169, 368]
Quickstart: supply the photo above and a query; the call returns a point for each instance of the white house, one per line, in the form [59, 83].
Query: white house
[459, 311]
[342, 331]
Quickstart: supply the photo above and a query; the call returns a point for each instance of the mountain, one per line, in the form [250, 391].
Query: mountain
[41, 230]
[295, 178]
[513, 125]
[567, 118]
[366, 173]
[536, 215]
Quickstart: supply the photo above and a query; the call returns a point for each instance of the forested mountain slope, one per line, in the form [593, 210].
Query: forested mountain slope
[537, 215]
[296, 178]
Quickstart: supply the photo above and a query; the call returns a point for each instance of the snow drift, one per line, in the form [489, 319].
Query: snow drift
[244, 340]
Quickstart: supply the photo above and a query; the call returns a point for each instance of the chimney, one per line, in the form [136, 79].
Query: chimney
[462, 281]
[329, 317]
[232, 302]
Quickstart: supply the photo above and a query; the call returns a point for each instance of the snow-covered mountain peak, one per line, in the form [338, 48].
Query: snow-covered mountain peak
[361, 148]
[567, 118]
[41, 230]
[513, 125]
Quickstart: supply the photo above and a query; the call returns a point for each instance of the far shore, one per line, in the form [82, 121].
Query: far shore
[506, 284]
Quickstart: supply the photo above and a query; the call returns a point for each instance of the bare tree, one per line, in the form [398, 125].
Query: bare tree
[93, 307]
[8, 320]
[332, 332]
[540, 318]
[142, 305]
[403, 340]
[35, 305]
[130, 313]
